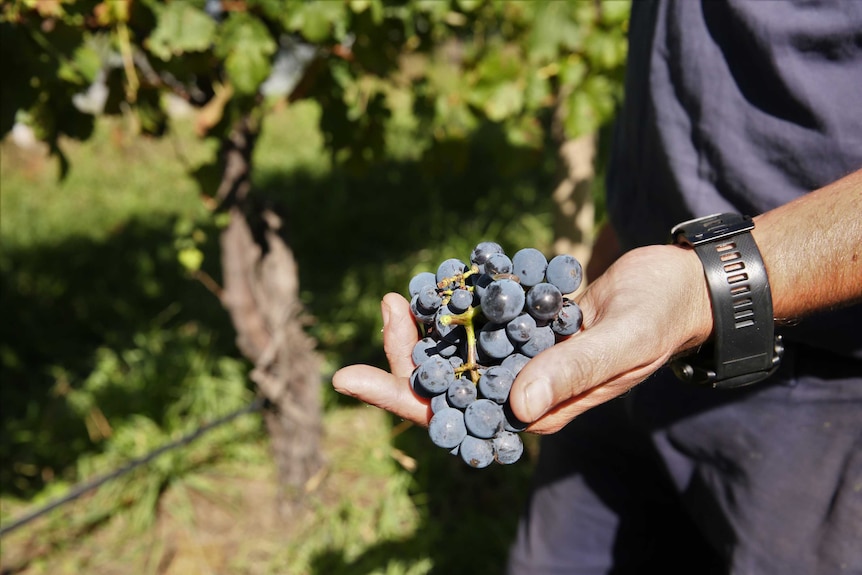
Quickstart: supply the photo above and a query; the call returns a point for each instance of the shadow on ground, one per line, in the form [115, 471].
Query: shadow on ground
[356, 236]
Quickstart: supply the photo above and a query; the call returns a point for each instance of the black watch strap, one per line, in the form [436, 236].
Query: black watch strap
[744, 348]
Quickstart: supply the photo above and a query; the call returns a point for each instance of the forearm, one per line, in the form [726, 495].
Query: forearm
[812, 249]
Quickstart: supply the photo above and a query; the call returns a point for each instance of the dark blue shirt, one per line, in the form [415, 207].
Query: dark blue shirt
[738, 106]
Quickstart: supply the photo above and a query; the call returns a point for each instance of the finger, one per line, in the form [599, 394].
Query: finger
[382, 389]
[399, 334]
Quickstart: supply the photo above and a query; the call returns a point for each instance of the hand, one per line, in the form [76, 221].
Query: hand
[648, 306]
[651, 304]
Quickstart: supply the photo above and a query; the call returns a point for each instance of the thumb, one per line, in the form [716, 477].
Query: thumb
[574, 376]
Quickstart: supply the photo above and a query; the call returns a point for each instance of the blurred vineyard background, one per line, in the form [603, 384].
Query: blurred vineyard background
[430, 126]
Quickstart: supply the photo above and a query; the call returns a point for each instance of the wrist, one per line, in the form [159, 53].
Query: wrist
[698, 307]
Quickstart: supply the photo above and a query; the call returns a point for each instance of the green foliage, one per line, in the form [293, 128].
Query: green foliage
[181, 28]
[437, 121]
[455, 64]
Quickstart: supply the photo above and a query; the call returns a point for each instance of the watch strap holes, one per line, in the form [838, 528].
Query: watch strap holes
[736, 278]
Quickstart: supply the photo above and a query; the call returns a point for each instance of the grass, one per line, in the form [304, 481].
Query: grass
[109, 349]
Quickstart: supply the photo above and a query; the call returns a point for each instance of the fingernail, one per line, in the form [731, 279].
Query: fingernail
[538, 398]
[384, 311]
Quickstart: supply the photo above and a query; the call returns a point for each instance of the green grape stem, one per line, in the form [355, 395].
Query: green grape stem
[466, 319]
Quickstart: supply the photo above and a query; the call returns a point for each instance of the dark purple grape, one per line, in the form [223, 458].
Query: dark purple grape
[529, 265]
[511, 421]
[420, 280]
[508, 447]
[428, 301]
[438, 402]
[480, 283]
[494, 342]
[544, 302]
[433, 376]
[425, 318]
[569, 320]
[447, 270]
[515, 362]
[476, 452]
[456, 361]
[565, 272]
[424, 348]
[447, 349]
[446, 428]
[482, 252]
[498, 264]
[483, 418]
[495, 384]
[461, 393]
[460, 300]
[503, 300]
[521, 328]
[542, 339]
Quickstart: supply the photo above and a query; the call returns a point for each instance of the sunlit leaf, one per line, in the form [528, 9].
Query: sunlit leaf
[181, 28]
[247, 47]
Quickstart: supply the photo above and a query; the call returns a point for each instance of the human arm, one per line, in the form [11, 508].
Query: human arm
[812, 251]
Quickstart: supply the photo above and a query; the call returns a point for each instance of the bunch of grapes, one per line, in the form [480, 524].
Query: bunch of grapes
[482, 322]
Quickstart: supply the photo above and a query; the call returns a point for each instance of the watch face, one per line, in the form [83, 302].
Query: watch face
[711, 228]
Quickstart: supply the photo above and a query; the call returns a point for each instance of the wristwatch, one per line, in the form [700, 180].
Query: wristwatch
[744, 348]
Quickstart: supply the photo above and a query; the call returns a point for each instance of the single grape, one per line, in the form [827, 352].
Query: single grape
[544, 301]
[515, 362]
[477, 452]
[503, 300]
[508, 447]
[529, 265]
[494, 342]
[511, 421]
[461, 393]
[495, 384]
[420, 280]
[542, 339]
[425, 318]
[483, 418]
[456, 361]
[433, 376]
[447, 349]
[480, 282]
[428, 300]
[482, 252]
[451, 332]
[498, 264]
[569, 320]
[424, 348]
[461, 300]
[520, 329]
[438, 402]
[449, 269]
[447, 428]
[565, 272]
